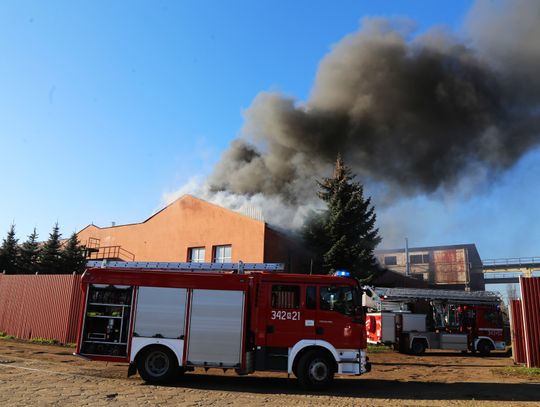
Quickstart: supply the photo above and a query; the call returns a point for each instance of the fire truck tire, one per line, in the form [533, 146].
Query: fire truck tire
[484, 348]
[418, 347]
[315, 370]
[157, 364]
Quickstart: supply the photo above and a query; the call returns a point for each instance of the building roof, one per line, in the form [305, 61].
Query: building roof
[470, 246]
[183, 197]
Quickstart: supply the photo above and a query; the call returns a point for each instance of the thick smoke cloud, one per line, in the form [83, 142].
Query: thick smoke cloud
[415, 114]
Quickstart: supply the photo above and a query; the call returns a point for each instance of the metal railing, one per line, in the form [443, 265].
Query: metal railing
[498, 276]
[111, 252]
[509, 275]
[512, 261]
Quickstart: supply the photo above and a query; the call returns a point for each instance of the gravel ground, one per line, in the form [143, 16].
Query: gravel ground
[32, 374]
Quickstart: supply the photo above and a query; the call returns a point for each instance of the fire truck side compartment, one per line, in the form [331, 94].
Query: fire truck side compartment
[414, 322]
[453, 341]
[216, 328]
[107, 317]
[160, 313]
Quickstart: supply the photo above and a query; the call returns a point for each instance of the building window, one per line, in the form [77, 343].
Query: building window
[223, 254]
[196, 254]
[285, 296]
[390, 260]
[419, 258]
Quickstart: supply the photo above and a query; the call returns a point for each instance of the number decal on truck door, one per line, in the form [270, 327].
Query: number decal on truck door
[286, 315]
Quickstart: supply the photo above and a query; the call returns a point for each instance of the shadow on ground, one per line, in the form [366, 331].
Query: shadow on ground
[368, 388]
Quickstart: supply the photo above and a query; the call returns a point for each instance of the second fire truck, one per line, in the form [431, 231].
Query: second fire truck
[415, 319]
[165, 319]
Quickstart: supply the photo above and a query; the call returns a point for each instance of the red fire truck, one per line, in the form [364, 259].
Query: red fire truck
[414, 320]
[168, 318]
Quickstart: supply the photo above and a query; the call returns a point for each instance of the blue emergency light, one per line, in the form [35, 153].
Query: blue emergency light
[342, 273]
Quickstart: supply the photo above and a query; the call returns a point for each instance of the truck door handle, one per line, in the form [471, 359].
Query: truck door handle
[269, 329]
[319, 330]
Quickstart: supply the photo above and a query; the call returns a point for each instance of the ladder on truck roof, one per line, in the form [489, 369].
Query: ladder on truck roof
[464, 297]
[239, 267]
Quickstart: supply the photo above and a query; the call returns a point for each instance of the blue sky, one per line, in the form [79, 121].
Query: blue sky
[106, 106]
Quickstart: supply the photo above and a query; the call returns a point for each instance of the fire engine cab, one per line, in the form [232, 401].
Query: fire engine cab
[168, 318]
[415, 319]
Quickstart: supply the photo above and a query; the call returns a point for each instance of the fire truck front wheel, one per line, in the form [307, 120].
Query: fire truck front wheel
[157, 364]
[315, 370]
[484, 347]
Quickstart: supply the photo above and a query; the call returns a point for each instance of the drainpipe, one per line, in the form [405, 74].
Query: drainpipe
[407, 268]
[468, 271]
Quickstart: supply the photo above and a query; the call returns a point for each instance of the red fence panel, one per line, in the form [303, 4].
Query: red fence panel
[530, 308]
[40, 306]
[518, 334]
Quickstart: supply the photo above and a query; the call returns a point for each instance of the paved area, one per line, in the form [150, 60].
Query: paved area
[41, 375]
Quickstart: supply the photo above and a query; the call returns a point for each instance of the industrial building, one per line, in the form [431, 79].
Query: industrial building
[191, 229]
[451, 267]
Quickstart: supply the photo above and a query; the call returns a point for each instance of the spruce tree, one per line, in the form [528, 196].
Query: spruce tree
[30, 252]
[343, 237]
[50, 261]
[9, 253]
[73, 258]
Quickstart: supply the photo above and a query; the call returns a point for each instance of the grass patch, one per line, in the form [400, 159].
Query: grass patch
[520, 371]
[40, 341]
[44, 341]
[379, 349]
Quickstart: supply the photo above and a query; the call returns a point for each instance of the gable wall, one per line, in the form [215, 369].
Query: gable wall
[187, 222]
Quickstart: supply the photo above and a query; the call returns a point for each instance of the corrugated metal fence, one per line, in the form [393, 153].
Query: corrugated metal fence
[40, 306]
[518, 349]
[526, 323]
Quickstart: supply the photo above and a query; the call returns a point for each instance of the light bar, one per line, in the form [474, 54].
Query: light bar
[342, 273]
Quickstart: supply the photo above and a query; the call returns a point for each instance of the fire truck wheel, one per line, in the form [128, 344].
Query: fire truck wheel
[418, 347]
[315, 370]
[484, 348]
[157, 364]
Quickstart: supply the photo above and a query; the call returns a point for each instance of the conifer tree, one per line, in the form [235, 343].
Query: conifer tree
[343, 237]
[50, 261]
[30, 252]
[9, 253]
[73, 258]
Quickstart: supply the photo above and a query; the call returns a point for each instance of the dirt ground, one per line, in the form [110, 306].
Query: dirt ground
[42, 375]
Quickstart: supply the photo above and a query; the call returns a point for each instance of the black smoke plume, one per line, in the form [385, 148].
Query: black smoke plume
[438, 114]
[416, 114]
